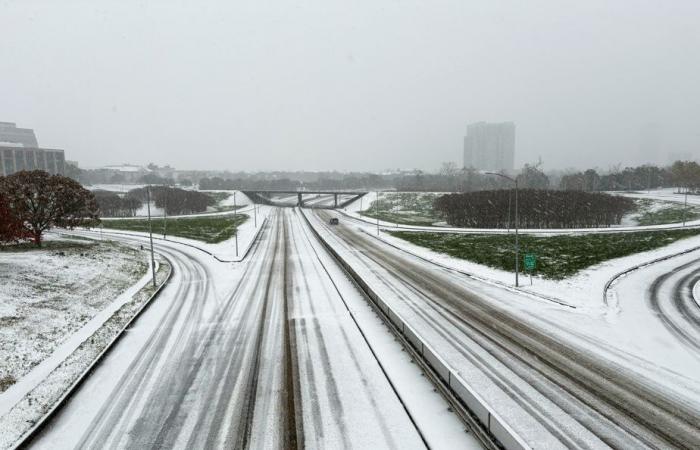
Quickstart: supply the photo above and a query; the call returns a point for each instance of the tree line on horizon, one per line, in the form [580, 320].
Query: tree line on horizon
[682, 174]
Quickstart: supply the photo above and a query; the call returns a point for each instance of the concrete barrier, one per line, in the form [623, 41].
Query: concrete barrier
[477, 406]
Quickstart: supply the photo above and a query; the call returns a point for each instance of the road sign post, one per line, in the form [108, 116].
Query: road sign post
[530, 263]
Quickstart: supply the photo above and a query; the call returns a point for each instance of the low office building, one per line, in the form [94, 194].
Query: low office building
[25, 137]
[14, 159]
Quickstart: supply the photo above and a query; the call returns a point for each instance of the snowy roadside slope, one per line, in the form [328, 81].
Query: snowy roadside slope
[35, 376]
[46, 384]
[47, 294]
[224, 251]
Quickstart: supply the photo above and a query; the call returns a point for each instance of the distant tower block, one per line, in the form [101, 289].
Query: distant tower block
[490, 146]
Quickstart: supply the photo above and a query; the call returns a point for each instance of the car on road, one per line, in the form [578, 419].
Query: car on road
[333, 221]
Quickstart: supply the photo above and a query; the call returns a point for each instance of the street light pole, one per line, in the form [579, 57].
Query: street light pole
[685, 206]
[150, 233]
[376, 211]
[234, 221]
[517, 223]
[165, 207]
[517, 246]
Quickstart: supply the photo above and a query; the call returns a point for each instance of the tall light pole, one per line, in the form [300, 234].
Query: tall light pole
[165, 207]
[517, 244]
[150, 233]
[376, 211]
[234, 222]
[685, 206]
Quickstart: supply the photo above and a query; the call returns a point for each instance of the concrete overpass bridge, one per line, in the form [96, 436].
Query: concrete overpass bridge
[341, 198]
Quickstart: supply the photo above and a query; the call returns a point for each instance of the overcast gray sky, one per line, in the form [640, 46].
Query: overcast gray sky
[353, 85]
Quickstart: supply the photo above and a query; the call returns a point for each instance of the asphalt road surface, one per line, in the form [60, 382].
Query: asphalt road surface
[554, 393]
[269, 358]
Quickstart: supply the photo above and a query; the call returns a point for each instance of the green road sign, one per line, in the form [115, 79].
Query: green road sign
[530, 261]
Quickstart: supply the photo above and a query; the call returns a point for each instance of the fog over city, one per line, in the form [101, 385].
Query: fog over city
[363, 85]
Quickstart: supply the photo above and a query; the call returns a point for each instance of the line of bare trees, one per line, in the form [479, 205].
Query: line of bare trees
[538, 208]
[175, 201]
[114, 205]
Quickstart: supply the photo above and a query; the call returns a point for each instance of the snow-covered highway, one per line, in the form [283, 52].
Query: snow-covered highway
[553, 393]
[283, 350]
[277, 351]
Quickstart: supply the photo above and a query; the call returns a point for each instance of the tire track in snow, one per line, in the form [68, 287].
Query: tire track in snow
[654, 419]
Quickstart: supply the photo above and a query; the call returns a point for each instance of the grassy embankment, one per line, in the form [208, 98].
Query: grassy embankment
[407, 208]
[558, 257]
[209, 229]
[664, 212]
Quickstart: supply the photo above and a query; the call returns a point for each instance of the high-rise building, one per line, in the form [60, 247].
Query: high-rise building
[10, 134]
[490, 146]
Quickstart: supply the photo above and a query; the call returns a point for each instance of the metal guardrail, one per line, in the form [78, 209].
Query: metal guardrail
[619, 275]
[26, 439]
[488, 418]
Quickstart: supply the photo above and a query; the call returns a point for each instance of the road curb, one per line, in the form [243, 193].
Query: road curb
[488, 419]
[27, 438]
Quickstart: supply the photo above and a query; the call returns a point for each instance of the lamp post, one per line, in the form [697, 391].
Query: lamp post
[165, 208]
[376, 211]
[517, 247]
[685, 206]
[234, 222]
[150, 233]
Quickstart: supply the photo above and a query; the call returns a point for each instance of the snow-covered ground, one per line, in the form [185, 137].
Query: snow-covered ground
[47, 294]
[43, 387]
[664, 194]
[114, 187]
[60, 307]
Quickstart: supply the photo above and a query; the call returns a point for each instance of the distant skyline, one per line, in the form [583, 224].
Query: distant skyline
[365, 85]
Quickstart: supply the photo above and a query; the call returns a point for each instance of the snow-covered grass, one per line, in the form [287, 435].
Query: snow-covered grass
[558, 257]
[46, 294]
[658, 212]
[408, 208]
[209, 229]
[21, 410]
